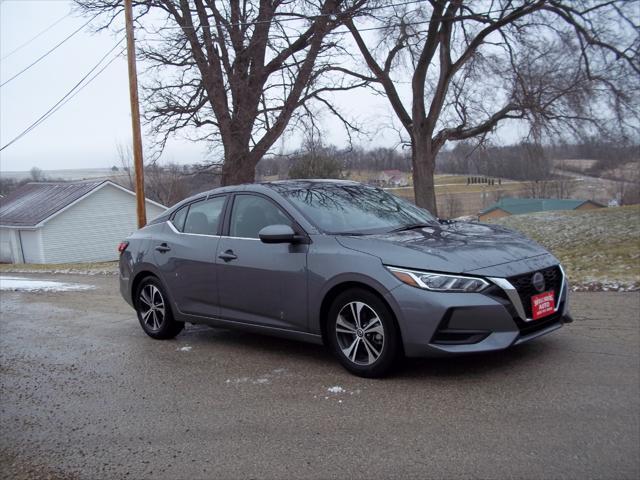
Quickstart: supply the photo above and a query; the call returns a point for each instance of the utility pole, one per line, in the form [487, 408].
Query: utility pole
[135, 115]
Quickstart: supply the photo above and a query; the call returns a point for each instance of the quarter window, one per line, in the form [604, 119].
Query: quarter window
[178, 218]
[204, 217]
[252, 213]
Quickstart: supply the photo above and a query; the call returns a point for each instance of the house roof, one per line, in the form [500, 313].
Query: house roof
[34, 203]
[517, 206]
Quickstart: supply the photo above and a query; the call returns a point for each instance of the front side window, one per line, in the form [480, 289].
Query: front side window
[348, 208]
[252, 213]
[204, 217]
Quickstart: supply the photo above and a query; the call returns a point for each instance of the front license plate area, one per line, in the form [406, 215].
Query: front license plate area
[543, 305]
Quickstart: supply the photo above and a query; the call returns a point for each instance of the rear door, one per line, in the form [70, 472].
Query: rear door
[261, 283]
[186, 256]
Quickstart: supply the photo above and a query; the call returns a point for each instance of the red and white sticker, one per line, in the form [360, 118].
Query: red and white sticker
[543, 305]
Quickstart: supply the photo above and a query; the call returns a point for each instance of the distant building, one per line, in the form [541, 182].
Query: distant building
[516, 206]
[66, 222]
[392, 178]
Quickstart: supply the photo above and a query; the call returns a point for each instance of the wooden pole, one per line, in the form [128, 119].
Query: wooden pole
[135, 115]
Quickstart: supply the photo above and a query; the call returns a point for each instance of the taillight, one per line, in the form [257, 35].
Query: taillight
[122, 247]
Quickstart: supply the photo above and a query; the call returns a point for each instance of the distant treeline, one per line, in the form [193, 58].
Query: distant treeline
[527, 161]
[524, 161]
[169, 183]
[333, 161]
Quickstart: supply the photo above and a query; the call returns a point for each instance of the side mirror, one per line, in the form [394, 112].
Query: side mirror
[277, 234]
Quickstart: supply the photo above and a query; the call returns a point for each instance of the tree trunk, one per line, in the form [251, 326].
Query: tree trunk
[423, 159]
[239, 167]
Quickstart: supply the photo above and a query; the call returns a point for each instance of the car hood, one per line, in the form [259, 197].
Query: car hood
[457, 247]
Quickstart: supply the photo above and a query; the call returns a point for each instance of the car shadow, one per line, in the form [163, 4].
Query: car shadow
[520, 356]
[258, 343]
[477, 364]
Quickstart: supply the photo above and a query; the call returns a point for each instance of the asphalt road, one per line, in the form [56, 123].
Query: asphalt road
[85, 394]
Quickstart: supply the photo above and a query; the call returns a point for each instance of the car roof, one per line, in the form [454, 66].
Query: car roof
[276, 185]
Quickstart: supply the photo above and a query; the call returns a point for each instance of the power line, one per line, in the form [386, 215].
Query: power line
[47, 53]
[70, 94]
[115, 57]
[334, 32]
[34, 38]
[301, 17]
[367, 29]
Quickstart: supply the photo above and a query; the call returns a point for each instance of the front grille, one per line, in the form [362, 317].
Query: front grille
[525, 289]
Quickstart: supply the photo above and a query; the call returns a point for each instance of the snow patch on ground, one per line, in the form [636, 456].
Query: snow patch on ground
[263, 379]
[336, 393]
[605, 286]
[184, 349]
[66, 271]
[19, 284]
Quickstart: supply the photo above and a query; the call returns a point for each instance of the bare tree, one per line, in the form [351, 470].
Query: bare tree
[236, 73]
[562, 187]
[537, 189]
[559, 65]
[165, 183]
[627, 191]
[37, 175]
[315, 160]
[452, 205]
[125, 156]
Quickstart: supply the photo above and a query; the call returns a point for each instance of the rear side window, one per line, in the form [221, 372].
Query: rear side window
[179, 217]
[204, 217]
[252, 213]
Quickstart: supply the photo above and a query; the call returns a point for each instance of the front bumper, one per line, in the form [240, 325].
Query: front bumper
[440, 324]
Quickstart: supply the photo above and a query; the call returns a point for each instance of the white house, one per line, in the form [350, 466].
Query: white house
[55, 222]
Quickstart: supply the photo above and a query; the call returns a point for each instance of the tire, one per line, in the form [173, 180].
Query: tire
[154, 312]
[362, 333]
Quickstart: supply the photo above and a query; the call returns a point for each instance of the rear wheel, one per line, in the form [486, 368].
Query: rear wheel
[362, 333]
[154, 311]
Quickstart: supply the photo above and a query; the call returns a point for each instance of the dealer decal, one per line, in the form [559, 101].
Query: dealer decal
[543, 304]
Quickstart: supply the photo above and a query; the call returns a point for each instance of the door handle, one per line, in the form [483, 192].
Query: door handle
[162, 248]
[228, 256]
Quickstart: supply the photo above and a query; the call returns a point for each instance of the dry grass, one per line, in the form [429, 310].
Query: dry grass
[95, 268]
[594, 245]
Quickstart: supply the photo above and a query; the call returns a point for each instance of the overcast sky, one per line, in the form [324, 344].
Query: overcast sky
[85, 131]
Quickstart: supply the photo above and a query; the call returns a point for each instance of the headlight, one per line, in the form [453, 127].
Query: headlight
[439, 282]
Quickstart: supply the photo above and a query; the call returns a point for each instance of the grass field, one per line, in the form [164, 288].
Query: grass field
[457, 199]
[598, 248]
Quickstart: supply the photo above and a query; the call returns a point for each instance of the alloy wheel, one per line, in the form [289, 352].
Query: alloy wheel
[360, 333]
[152, 308]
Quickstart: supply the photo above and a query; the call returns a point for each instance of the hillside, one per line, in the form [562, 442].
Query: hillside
[600, 249]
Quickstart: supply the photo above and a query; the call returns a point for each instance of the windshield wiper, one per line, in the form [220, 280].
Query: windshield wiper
[411, 226]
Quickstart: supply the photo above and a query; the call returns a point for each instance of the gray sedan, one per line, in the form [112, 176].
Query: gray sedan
[370, 275]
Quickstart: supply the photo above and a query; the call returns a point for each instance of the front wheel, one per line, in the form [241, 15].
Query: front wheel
[363, 334]
[154, 311]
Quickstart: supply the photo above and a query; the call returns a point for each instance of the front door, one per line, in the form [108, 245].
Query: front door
[261, 283]
[186, 256]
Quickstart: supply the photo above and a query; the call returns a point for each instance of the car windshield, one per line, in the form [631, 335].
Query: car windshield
[355, 209]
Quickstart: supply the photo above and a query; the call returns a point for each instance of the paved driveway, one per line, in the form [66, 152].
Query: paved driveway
[86, 394]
